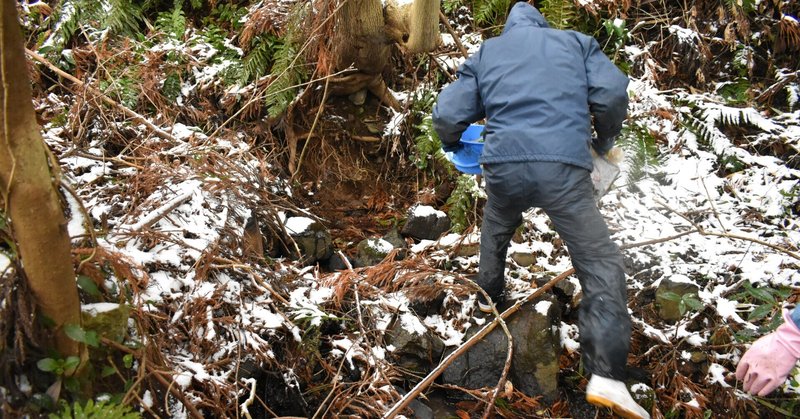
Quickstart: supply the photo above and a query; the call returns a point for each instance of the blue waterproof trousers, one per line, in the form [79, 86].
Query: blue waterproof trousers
[565, 193]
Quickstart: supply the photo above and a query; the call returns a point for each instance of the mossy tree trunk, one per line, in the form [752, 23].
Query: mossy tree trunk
[366, 31]
[29, 195]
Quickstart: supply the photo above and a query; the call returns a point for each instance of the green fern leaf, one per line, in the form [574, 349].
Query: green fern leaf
[461, 203]
[123, 16]
[490, 12]
[560, 14]
[641, 152]
[260, 57]
[288, 68]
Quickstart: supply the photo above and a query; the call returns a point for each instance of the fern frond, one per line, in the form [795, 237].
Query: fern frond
[427, 144]
[288, 67]
[258, 60]
[173, 22]
[560, 14]
[99, 410]
[490, 12]
[123, 16]
[462, 201]
[641, 152]
[451, 5]
[65, 21]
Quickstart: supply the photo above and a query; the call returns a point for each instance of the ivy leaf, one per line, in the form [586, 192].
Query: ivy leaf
[671, 296]
[48, 364]
[75, 333]
[694, 303]
[89, 286]
[78, 334]
[71, 363]
[127, 360]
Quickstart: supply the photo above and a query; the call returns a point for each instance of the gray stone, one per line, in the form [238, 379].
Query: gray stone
[315, 243]
[421, 410]
[371, 252]
[534, 364]
[413, 351]
[669, 310]
[423, 222]
[524, 258]
[394, 237]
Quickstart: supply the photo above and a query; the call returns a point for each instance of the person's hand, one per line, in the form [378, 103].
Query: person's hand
[452, 148]
[767, 363]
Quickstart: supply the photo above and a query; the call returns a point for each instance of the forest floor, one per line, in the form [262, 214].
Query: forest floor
[708, 196]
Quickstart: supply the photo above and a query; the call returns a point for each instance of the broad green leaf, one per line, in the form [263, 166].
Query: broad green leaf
[48, 364]
[671, 296]
[694, 303]
[760, 312]
[107, 371]
[75, 332]
[760, 293]
[88, 286]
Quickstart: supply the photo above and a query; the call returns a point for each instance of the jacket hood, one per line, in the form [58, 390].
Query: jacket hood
[523, 14]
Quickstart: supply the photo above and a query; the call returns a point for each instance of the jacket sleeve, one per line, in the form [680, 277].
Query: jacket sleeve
[608, 96]
[459, 104]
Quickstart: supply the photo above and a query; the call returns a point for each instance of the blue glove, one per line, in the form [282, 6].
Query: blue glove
[452, 148]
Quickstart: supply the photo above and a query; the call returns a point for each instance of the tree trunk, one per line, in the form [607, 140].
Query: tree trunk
[30, 198]
[362, 41]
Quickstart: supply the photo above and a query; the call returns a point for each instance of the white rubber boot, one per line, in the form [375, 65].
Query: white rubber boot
[607, 392]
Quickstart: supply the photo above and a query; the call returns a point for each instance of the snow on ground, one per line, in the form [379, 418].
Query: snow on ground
[175, 226]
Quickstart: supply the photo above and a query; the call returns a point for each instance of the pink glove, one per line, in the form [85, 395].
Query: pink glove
[769, 360]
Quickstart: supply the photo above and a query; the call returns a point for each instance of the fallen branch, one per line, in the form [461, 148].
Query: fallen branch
[485, 330]
[456, 38]
[131, 114]
[161, 212]
[509, 355]
[704, 232]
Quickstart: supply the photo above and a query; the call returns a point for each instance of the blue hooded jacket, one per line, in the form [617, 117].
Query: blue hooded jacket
[539, 89]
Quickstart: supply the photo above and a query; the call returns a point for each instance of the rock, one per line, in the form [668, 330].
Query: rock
[669, 310]
[312, 238]
[534, 365]
[337, 263]
[415, 347]
[108, 320]
[523, 259]
[425, 223]
[427, 297]
[394, 237]
[371, 252]
[571, 288]
[358, 98]
[468, 249]
[421, 410]
[252, 239]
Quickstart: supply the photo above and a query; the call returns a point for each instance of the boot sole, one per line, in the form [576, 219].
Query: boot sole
[616, 408]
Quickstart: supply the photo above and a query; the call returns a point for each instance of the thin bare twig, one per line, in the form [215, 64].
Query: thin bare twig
[131, 114]
[311, 131]
[509, 354]
[456, 38]
[704, 232]
[160, 212]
